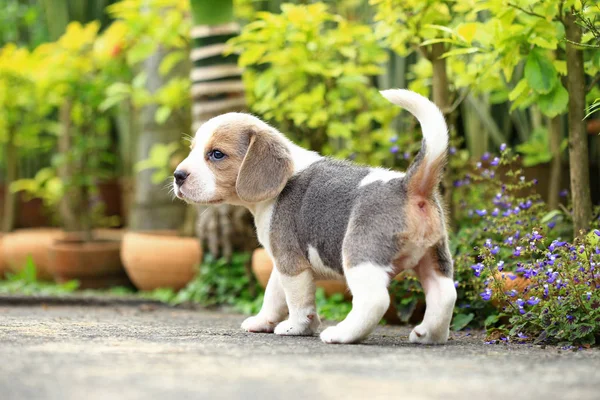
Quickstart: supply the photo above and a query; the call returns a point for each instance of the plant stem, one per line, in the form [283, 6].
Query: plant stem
[555, 133]
[10, 198]
[578, 145]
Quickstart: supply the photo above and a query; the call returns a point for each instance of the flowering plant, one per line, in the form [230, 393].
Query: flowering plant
[515, 266]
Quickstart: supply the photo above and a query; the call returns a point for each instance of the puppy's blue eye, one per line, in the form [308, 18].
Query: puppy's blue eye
[216, 155]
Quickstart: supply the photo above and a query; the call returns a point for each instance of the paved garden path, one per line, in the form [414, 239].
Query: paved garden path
[149, 352]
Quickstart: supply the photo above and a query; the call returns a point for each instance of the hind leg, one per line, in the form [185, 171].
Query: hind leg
[368, 283]
[435, 274]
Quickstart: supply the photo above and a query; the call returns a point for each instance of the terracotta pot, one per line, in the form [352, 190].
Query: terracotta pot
[519, 284]
[262, 265]
[95, 264]
[160, 259]
[3, 265]
[19, 245]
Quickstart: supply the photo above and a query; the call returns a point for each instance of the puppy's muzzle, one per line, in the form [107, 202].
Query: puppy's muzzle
[180, 176]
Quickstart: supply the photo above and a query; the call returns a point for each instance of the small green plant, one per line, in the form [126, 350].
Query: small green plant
[25, 282]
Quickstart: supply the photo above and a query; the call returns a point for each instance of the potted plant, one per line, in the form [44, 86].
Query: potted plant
[159, 249]
[78, 75]
[23, 128]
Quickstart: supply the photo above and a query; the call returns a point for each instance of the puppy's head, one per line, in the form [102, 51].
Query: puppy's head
[235, 158]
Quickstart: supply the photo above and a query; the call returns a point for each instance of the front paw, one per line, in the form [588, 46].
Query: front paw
[297, 328]
[258, 324]
[424, 335]
[338, 335]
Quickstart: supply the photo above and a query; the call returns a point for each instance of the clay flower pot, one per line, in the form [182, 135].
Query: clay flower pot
[160, 259]
[3, 265]
[96, 264]
[262, 265]
[18, 246]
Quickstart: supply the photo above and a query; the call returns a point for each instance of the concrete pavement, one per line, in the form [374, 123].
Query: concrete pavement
[152, 352]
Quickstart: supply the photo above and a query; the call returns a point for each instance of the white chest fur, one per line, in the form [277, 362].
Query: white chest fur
[263, 215]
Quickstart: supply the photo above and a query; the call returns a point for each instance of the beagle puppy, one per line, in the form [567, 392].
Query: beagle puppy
[321, 218]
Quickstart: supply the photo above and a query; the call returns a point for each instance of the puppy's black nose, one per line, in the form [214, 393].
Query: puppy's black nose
[180, 177]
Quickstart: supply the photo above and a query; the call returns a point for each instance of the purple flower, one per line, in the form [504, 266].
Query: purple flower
[486, 295]
[526, 205]
[512, 277]
[456, 284]
[512, 293]
[495, 212]
[564, 193]
[588, 295]
[536, 236]
[533, 301]
[477, 268]
[522, 336]
[495, 162]
[495, 250]
[394, 149]
[596, 232]
[406, 155]
[570, 318]
[485, 156]
[393, 139]
[503, 147]
[520, 302]
[517, 251]
[507, 213]
[452, 150]
[478, 165]
[500, 265]
[481, 213]
[551, 224]
[535, 181]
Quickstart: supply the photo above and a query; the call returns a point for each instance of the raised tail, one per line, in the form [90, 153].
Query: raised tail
[425, 172]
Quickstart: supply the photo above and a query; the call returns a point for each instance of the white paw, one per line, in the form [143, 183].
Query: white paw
[258, 323]
[297, 328]
[338, 335]
[423, 335]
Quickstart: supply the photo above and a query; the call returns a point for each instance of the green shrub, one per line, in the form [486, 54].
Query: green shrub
[311, 73]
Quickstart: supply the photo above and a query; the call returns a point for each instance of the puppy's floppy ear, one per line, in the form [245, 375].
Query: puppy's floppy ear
[266, 168]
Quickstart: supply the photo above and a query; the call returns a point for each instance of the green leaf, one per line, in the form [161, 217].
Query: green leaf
[540, 72]
[555, 102]
[518, 90]
[491, 320]
[162, 114]
[458, 52]
[461, 320]
[550, 216]
[170, 61]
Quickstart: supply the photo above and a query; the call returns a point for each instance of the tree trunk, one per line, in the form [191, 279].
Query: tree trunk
[441, 97]
[217, 88]
[68, 204]
[555, 133]
[441, 91]
[578, 144]
[10, 198]
[153, 207]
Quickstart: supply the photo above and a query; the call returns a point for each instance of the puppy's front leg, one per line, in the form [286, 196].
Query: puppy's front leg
[300, 295]
[274, 308]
